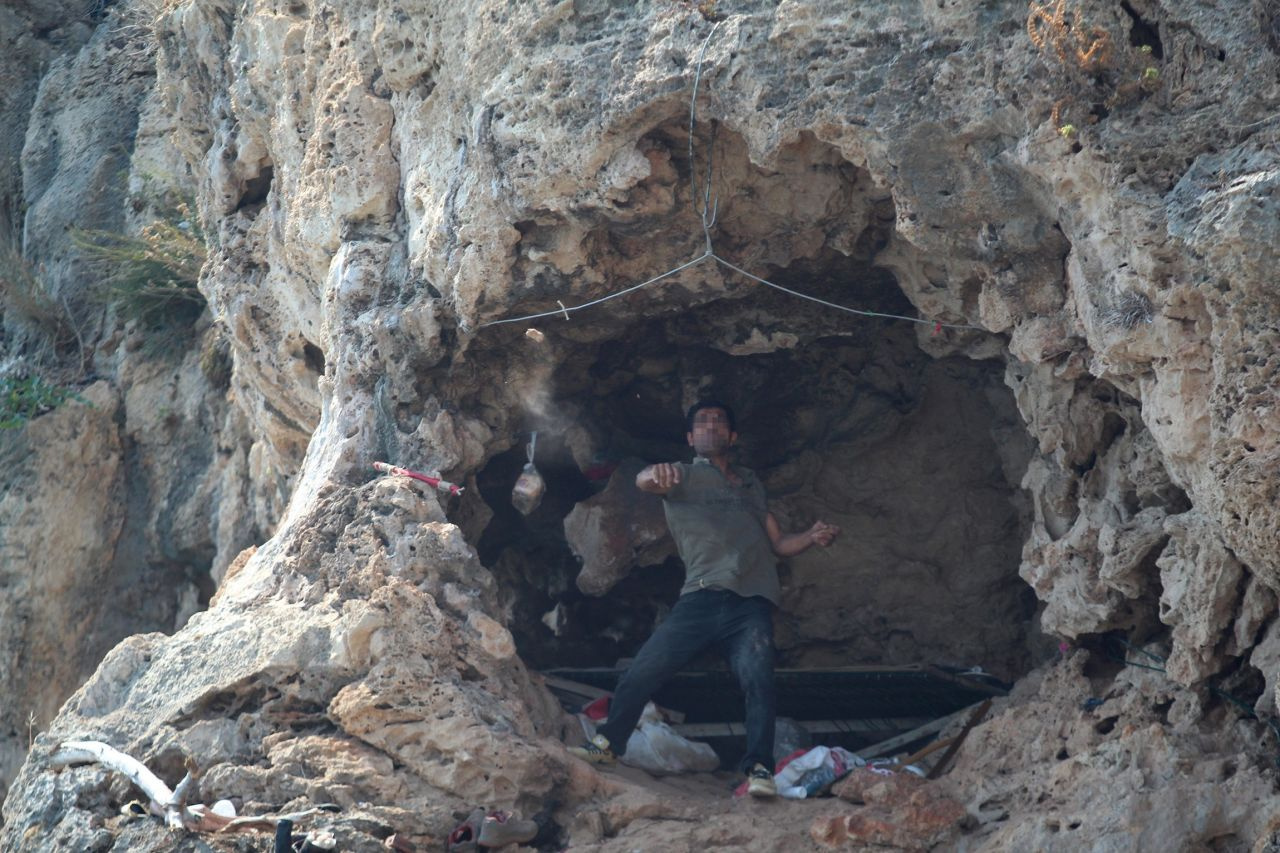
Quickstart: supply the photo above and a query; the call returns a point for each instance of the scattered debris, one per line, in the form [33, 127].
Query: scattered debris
[399, 844]
[172, 804]
[874, 711]
[489, 831]
[807, 773]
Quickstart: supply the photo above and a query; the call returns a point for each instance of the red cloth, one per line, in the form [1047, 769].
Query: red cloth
[600, 470]
[597, 710]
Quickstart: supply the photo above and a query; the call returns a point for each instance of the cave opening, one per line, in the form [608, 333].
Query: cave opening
[917, 458]
[854, 420]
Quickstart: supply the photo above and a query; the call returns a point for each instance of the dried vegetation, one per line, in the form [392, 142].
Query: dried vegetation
[1097, 76]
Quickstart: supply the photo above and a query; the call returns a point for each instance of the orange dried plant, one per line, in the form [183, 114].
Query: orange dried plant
[1055, 28]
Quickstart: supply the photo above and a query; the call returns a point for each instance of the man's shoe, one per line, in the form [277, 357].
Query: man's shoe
[595, 751]
[760, 783]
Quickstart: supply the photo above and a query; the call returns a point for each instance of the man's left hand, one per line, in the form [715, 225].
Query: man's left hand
[822, 533]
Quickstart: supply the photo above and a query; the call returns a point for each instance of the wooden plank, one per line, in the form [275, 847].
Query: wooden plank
[852, 670]
[976, 718]
[577, 688]
[974, 682]
[928, 750]
[588, 693]
[623, 663]
[695, 730]
[878, 750]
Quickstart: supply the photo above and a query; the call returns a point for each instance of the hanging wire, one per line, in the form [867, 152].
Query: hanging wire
[858, 311]
[707, 208]
[563, 311]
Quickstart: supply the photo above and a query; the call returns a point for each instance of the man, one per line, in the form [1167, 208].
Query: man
[728, 541]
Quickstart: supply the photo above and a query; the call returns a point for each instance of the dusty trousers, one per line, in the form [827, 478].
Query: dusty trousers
[741, 629]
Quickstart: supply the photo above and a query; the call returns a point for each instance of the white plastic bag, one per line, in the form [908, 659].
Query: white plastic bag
[654, 746]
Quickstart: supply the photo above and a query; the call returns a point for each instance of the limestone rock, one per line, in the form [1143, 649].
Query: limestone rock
[883, 787]
[1096, 535]
[380, 183]
[617, 530]
[1201, 581]
[914, 825]
[76, 148]
[1044, 769]
[70, 459]
[1257, 606]
[902, 810]
[1265, 657]
[345, 631]
[21, 70]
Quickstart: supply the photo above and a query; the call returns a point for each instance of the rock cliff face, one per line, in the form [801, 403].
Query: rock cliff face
[1082, 194]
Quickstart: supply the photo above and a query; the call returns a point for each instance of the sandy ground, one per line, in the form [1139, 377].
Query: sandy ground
[696, 812]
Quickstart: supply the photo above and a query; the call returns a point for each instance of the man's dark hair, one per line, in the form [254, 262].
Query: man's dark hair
[710, 404]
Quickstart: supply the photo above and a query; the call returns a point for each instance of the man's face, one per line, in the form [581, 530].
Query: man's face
[711, 435]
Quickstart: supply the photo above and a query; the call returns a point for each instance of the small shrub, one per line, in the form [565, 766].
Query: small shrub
[215, 361]
[1127, 310]
[24, 399]
[26, 300]
[151, 278]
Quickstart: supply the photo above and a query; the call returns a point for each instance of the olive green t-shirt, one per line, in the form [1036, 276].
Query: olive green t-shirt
[719, 531]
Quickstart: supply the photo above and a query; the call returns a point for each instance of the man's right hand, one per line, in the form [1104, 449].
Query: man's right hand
[658, 479]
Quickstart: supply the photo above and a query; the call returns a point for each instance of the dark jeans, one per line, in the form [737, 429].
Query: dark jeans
[741, 628]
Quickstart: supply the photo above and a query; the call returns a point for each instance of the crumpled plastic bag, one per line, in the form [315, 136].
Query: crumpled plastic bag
[790, 779]
[656, 748]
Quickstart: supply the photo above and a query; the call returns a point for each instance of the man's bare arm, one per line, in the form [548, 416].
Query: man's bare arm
[658, 479]
[790, 544]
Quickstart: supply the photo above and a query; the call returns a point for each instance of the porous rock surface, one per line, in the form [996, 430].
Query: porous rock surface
[620, 528]
[380, 181]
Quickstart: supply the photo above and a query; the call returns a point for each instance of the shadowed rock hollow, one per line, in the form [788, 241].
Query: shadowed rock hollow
[917, 459]
[1093, 459]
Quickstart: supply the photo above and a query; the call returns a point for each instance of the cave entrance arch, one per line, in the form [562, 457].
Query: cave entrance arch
[917, 458]
[847, 418]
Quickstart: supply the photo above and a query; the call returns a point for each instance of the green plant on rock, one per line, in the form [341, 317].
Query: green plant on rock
[24, 399]
[151, 278]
